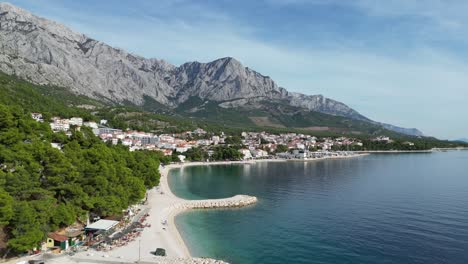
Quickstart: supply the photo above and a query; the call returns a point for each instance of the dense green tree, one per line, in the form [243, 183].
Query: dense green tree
[26, 233]
[196, 154]
[281, 148]
[226, 153]
[6, 207]
[233, 140]
[43, 188]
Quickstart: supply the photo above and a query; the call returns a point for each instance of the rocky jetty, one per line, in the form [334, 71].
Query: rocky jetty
[166, 260]
[235, 201]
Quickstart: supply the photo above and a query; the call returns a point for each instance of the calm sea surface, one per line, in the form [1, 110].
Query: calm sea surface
[404, 208]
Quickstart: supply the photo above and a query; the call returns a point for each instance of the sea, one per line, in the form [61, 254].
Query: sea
[380, 208]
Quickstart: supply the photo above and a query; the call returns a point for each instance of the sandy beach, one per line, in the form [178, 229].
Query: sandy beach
[163, 206]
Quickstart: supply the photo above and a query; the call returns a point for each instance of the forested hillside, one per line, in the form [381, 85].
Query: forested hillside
[43, 188]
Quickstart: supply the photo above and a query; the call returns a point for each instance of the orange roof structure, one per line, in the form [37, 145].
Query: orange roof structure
[57, 237]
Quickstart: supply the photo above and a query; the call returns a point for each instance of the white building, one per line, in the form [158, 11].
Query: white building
[215, 139]
[56, 146]
[258, 153]
[181, 149]
[300, 146]
[76, 121]
[245, 154]
[203, 142]
[300, 154]
[199, 131]
[91, 124]
[37, 117]
[60, 125]
[181, 158]
[127, 142]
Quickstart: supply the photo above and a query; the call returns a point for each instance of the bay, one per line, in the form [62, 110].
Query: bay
[388, 208]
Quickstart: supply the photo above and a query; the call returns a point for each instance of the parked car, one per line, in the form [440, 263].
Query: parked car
[159, 252]
[36, 262]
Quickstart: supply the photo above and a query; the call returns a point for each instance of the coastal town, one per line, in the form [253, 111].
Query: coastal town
[226, 132]
[254, 145]
[118, 237]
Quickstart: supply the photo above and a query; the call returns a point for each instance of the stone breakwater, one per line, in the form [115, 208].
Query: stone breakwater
[173, 205]
[153, 260]
[235, 201]
[184, 205]
[166, 260]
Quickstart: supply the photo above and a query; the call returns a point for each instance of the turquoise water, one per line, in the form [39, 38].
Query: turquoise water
[405, 208]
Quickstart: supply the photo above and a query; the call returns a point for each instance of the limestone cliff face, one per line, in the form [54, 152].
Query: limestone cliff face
[221, 80]
[46, 52]
[227, 79]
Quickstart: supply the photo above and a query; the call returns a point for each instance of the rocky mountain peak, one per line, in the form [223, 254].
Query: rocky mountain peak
[7, 7]
[13, 18]
[228, 62]
[46, 52]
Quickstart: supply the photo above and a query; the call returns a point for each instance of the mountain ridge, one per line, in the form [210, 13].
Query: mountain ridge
[46, 52]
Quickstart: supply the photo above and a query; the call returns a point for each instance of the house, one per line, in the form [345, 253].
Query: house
[60, 125]
[245, 154]
[300, 146]
[56, 145]
[57, 241]
[167, 152]
[74, 237]
[300, 154]
[76, 121]
[215, 139]
[37, 116]
[383, 139]
[91, 124]
[199, 131]
[258, 153]
[181, 158]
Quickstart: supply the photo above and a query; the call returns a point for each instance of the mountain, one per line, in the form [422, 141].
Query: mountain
[462, 140]
[46, 52]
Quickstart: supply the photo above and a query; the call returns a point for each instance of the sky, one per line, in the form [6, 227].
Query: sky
[402, 62]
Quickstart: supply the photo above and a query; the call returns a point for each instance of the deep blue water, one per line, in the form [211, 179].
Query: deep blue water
[404, 208]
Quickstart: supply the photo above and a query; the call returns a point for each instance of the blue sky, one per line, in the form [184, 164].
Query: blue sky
[402, 62]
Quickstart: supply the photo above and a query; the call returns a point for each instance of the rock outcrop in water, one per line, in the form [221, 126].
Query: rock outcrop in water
[46, 52]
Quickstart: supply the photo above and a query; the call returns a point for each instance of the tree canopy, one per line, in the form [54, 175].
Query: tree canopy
[43, 188]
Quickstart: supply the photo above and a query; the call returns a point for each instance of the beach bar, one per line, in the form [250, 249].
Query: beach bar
[101, 225]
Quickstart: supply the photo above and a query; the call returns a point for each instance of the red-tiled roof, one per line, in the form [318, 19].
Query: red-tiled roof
[57, 237]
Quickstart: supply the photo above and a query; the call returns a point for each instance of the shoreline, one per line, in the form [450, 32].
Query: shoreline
[392, 151]
[164, 206]
[164, 186]
[187, 205]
